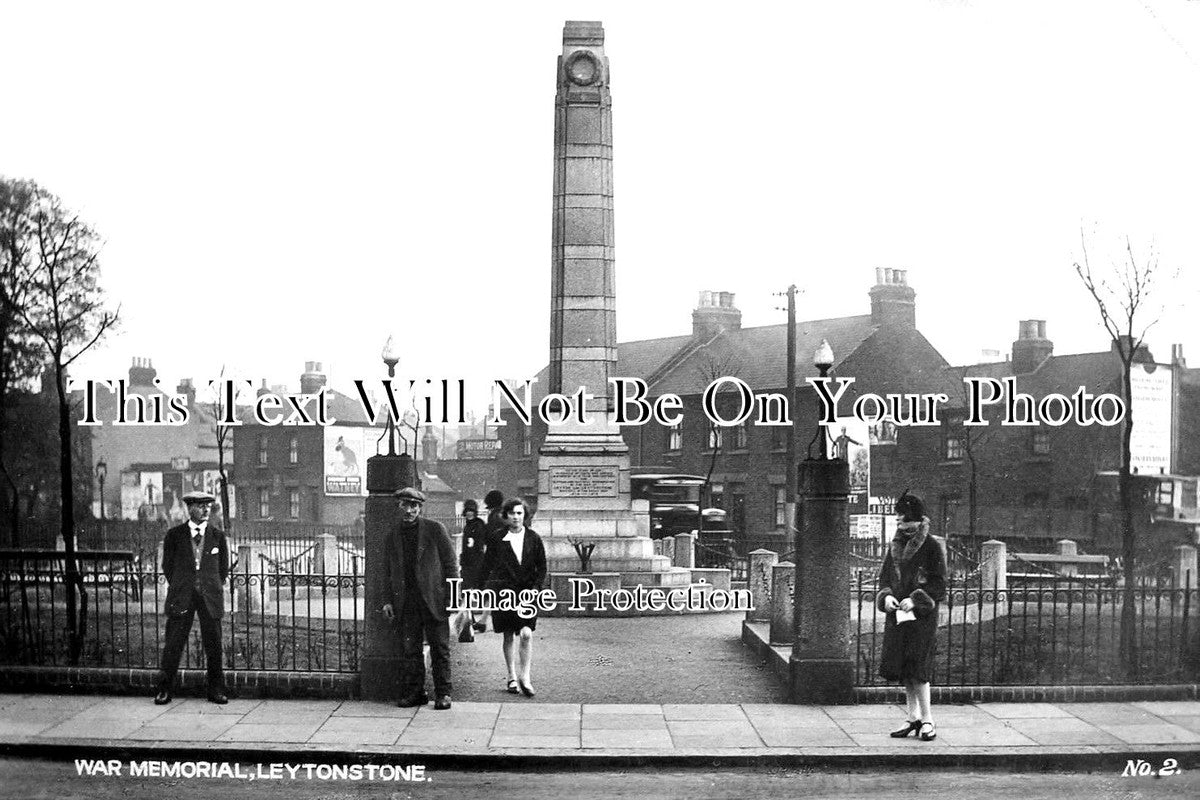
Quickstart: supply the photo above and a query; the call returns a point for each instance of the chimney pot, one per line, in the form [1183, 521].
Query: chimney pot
[313, 378]
[716, 312]
[1031, 347]
[893, 302]
[142, 373]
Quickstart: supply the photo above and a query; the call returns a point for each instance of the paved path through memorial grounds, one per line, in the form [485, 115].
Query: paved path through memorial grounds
[697, 658]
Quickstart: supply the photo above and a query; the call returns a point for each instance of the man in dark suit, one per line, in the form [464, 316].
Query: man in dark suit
[196, 564]
[418, 558]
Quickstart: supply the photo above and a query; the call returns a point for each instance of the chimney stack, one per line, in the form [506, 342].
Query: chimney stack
[142, 373]
[893, 301]
[1141, 356]
[715, 312]
[429, 450]
[188, 389]
[1031, 347]
[313, 378]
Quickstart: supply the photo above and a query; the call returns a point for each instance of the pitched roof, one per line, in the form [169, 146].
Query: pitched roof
[1064, 374]
[684, 366]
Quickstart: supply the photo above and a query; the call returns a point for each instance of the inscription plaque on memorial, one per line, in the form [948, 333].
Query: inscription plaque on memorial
[583, 481]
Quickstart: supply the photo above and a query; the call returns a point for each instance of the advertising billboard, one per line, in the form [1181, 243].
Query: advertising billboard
[345, 458]
[1150, 440]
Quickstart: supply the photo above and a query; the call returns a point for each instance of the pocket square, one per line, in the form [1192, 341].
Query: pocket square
[215, 550]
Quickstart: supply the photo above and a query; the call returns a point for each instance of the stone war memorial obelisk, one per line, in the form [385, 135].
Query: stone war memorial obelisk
[583, 468]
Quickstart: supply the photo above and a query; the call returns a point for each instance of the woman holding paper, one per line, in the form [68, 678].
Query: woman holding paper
[911, 584]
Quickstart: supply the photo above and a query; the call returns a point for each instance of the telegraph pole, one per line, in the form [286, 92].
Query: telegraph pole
[790, 496]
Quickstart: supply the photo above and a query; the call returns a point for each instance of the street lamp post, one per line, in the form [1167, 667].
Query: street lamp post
[823, 361]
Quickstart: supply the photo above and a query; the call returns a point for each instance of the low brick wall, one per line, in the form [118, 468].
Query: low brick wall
[755, 635]
[240, 683]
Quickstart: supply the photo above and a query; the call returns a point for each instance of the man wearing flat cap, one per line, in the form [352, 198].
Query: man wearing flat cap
[418, 558]
[195, 561]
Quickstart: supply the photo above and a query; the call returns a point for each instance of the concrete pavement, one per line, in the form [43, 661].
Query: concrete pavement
[479, 734]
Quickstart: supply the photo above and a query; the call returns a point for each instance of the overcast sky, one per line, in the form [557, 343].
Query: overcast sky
[282, 182]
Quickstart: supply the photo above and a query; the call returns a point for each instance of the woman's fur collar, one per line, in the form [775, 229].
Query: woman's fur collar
[903, 550]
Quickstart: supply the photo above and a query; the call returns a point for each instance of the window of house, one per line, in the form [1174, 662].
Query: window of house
[294, 450]
[675, 437]
[741, 436]
[262, 451]
[715, 437]
[1041, 443]
[526, 442]
[780, 507]
[294, 503]
[779, 437]
[1166, 493]
[954, 446]
[264, 502]
[716, 495]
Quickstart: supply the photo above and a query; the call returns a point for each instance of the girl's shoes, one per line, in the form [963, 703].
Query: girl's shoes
[512, 686]
[928, 732]
[909, 727]
[527, 688]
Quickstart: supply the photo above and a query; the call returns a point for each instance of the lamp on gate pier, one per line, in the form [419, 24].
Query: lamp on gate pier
[391, 360]
[823, 361]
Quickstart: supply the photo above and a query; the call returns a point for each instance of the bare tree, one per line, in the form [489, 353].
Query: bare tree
[21, 354]
[974, 443]
[1122, 295]
[65, 310]
[221, 433]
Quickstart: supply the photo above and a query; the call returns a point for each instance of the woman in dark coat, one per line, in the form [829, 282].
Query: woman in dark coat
[912, 581]
[474, 542]
[491, 503]
[515, 561]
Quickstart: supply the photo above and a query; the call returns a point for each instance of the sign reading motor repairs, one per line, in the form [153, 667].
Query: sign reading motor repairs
[583, 481]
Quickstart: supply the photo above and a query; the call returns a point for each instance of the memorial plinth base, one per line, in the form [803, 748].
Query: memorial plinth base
[561, 584]
[584, 497]
[619, 595]
[611, 554]
[822, 681]
[621, 538]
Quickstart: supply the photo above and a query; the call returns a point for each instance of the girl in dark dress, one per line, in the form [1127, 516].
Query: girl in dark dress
[912, 581]
[515, 561]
